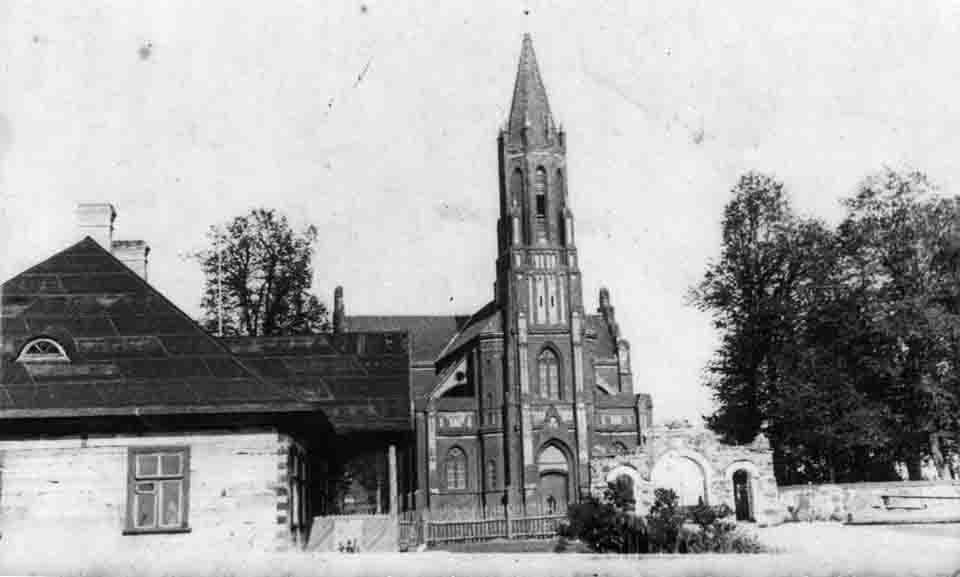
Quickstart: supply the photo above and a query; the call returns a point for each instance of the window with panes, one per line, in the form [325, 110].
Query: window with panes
[158, 489]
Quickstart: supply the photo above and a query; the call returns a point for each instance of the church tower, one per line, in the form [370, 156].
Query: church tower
[538, 292]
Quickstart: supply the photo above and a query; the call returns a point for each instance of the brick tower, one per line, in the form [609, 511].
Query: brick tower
[538, 292]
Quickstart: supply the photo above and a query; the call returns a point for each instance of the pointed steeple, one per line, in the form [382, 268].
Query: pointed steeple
[530, 112]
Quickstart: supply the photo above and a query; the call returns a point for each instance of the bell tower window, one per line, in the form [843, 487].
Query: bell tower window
[540, 190]
[517, 198]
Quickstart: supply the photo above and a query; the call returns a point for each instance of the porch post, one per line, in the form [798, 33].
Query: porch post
[392, 472]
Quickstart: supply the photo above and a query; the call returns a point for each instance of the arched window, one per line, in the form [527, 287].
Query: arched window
[491, 474]
[516, 186]
[549, 369]
[561, 222]
[43, 350]
[517, 196]
[540, 190]
[456, 469]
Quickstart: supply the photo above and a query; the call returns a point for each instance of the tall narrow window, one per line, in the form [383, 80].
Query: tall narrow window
[517, 198]
[549, 369]
[516, 186]
[456, 469]
[157, 489]
[540, 190]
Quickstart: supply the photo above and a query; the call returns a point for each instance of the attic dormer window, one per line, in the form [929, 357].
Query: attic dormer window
[43, 350]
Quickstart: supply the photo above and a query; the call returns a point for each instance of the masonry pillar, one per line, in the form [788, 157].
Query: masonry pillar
[392, 473]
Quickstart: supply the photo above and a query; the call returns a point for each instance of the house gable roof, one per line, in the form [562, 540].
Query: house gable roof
[131, 351]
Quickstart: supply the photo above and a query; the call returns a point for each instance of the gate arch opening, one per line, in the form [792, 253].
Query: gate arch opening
[684, 473]
[742, 495]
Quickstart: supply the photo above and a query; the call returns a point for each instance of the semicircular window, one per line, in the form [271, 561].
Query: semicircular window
[43, 350]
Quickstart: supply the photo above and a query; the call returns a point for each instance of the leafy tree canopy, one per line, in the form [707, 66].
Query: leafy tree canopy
[839, 344]
[265, 273]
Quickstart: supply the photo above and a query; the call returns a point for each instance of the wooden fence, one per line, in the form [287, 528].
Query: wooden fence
[420, 531]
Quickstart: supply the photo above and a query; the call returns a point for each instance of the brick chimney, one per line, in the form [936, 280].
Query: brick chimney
[339, 314]
[133, 253]
[96, 220]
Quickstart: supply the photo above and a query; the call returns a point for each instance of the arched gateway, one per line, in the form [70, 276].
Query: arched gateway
[685, 475]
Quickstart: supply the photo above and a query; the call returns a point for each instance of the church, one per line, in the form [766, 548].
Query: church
[124, 426]
[513, 401]
[530, 401]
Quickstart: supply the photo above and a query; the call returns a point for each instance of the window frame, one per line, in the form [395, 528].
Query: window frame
[491, 474]
[133, 478]
[60, 356]
[540, 186]
[456, 457]
[549, 381]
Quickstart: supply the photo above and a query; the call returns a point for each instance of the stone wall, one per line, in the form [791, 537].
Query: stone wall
[69, 496]
[842, 501]
[696, 464]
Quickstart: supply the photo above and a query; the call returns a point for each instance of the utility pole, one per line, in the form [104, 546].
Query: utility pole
[219, 286]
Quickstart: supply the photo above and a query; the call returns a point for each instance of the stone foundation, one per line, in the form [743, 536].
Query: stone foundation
[839, 502]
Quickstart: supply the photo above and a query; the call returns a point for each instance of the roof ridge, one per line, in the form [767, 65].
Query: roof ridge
[474, 317]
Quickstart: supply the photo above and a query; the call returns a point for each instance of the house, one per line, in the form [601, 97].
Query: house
[126, 427]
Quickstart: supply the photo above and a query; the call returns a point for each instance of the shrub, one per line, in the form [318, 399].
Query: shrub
[664, 522]
[721, 536]
[607, 525]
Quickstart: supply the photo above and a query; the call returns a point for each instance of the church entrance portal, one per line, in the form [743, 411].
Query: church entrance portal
[554, 479]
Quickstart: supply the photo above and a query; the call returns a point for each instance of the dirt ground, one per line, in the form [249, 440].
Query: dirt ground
[804, 550]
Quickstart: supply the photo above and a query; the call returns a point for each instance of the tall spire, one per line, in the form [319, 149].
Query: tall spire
[530, 109]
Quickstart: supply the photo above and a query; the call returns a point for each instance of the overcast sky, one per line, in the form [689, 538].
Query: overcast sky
[377, 122]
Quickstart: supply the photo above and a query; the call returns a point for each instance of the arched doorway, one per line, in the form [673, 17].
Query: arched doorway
[684, 475]
[742, 495]
[628, 479]
[554, 471]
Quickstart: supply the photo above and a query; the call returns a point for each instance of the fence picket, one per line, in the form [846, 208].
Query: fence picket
[414, 532]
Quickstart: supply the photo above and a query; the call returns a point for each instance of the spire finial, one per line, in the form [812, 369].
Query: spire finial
[530, 109]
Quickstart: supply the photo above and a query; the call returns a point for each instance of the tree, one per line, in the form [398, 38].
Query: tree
[747, 291]
[901, 247]
[265, 276]
[792, 334]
